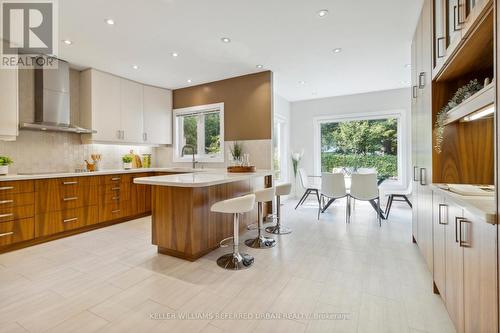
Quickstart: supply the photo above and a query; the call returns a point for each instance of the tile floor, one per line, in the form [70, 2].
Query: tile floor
[368, 279]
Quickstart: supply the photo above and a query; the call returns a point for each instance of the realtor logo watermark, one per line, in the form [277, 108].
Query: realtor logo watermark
[29, 33]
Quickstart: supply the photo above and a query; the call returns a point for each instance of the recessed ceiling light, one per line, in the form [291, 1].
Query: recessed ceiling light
[175, 54]
[226, 40]
[259, 66]
[323, 12]
[67, 42]
[135, 67]
[110, 21]
[337, 50]
[302, 82]
[189, 80]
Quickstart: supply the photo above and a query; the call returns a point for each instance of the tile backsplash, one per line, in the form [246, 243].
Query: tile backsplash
[54, 151]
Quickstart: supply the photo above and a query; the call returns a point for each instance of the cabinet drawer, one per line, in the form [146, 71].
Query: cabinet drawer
[114, 179]
[15, 200]
[55, 222]
[120, 189]
[16, 213]
[68, 182]
[117, 196]
[113, 211]
[22, 186]
[16, 231]
[66, 198]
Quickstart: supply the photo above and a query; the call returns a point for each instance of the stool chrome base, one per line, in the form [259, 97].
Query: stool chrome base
[278, 230]
[261, 242]
[235, 261]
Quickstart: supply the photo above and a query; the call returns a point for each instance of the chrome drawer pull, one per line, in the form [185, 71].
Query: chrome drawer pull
[115, 189]
[115, 178]
[70, 220]
[5, 188]
[115, 211]
[3, 202]
[70, 199]
[6, 234]
[70, 183]
[6, 215]
[115, 198]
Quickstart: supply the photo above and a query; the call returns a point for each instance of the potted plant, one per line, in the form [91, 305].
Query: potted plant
[5, 161]
[296, 158]
[237, 152]
[127, 162]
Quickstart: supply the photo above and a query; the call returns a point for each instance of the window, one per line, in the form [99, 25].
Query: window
[372, 140]
[280, 158]
[201, 128]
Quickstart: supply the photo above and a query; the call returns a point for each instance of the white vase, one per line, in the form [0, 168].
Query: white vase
[127, 166]
[4, 169]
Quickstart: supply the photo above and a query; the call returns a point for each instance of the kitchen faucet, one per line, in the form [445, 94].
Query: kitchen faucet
[192, 151]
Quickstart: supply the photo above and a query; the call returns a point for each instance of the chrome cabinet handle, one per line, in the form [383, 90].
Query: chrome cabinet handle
[70, 183]
[5, 188]
[456, 18]
[114, 179]
[423, 180]
[115, 198]
[414, 91]
[6, 234]
[457, 219]
[6, 215]
[70, 199]
[439, 55]
[440, 219]
[115, 211]
[4, 202]
[415, 168]
[118, 134]
[115, 189]
[70, 220]
[464, 241]
[421, 80]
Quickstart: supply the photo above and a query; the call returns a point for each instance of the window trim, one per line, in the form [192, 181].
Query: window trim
[403, 140]
[198, 109]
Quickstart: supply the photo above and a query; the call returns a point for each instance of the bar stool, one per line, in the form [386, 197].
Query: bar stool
[236, 260]
[278, 229]
[262, 242]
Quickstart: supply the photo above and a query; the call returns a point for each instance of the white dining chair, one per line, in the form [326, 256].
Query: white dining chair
[308, 186]
[364, 187]
[395, 195]
[332, 188]
[365, 171]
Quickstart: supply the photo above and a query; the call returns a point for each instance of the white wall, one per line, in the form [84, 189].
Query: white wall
[304, 112]
[282, 109]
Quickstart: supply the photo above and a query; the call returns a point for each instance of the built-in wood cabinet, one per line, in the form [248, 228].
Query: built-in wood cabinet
[124, 111]
[10, 104]
[32, 210]
[465, 266]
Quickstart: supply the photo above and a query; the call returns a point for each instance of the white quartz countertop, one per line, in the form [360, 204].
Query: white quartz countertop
[201, 179]
[483, 207]
[99, 173]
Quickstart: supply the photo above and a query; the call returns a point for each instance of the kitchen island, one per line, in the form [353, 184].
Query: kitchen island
[183, 225]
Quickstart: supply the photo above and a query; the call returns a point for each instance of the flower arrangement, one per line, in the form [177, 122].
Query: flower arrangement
[296, 157]
[460, 95]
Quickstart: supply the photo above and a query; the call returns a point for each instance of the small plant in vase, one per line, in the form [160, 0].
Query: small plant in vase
[127, 162]
[237, 152]
[296, 158]
[5, 161]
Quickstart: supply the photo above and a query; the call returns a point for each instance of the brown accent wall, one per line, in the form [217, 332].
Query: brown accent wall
[247, 104]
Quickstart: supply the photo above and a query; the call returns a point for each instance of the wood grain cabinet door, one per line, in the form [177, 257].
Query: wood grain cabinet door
[440, 222]
[56, 222]
[16, 231]
[25, 186]
[53, 196]
[454, 296]
[479, 242]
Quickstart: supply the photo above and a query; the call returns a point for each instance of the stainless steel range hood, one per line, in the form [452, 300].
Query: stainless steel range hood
[52, 111]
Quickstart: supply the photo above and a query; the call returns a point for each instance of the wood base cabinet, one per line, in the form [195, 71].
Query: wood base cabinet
[465, 266]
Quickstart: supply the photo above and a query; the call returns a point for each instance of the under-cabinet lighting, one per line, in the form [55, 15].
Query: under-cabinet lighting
[481, 113]
[109, 21]
[323, 13]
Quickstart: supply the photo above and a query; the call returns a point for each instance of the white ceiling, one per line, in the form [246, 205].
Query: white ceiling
[286, 36]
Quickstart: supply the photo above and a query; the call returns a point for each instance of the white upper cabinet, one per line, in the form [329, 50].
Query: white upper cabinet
[124, 111]
[9, 110]
[131, 111]
[157, 115]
